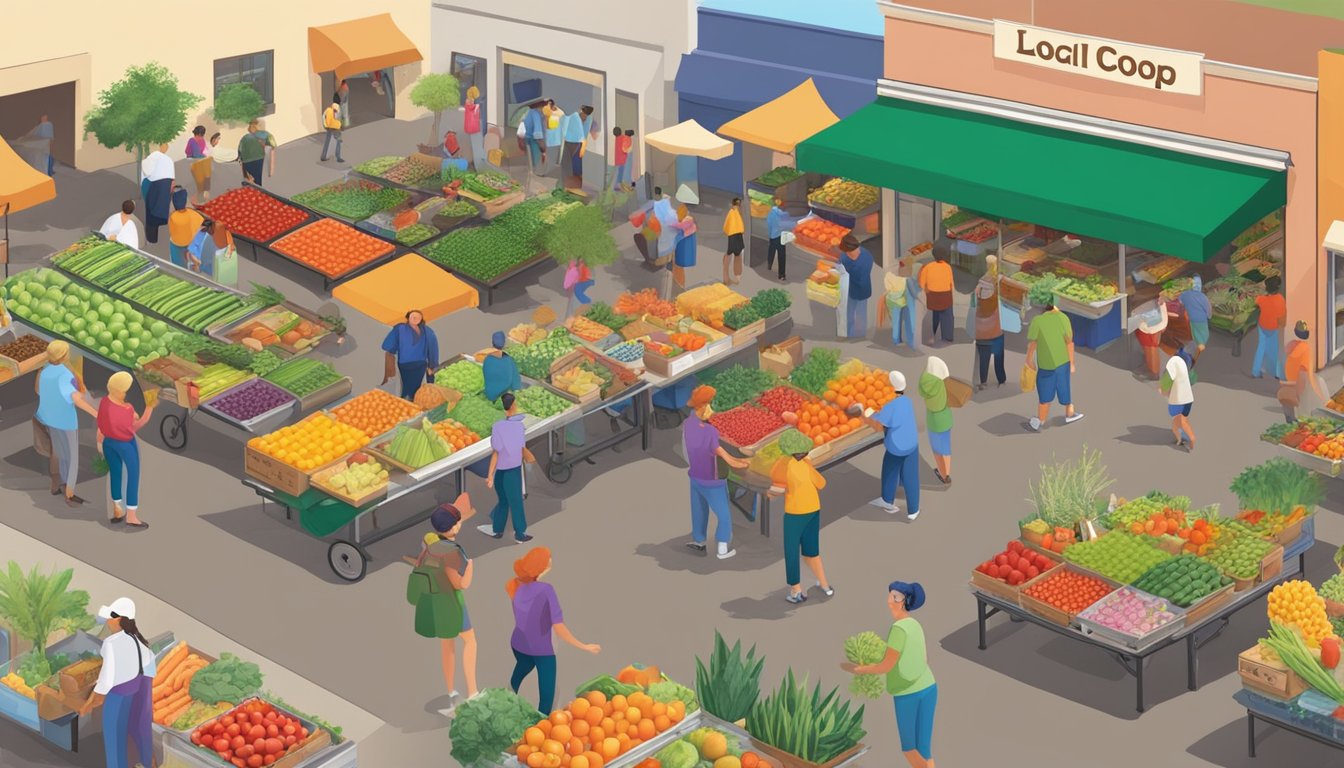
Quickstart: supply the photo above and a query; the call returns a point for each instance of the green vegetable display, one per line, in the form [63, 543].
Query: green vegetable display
[1144, 507]
[679, 754]
[485, 726]
[729, 687]
[601, 312]
[739, 384]
[668, 691]
[1184, 580]
[456, 209]
[771, 302]
[534, 360]
[1071, 491]
[1333, 588]
[263, 362]
[465, 376]
[352, 200]
[230, 679]
[418, 446]
[303, 376]
[416, 233]
[814, 728]
[100, 262]
[1293, 650]
[609, 686]
[817, 370]
[481, 253]
[378, 165]
[488, 184]
[540, 402]
[778, 177]
[741, 316]
[1119, 555]
[1278, 485]
[477, 414]
[188, 304]
[866, 648]
[198, 712]
[1239, 552]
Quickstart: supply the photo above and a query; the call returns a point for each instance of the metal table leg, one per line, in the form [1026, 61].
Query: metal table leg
[765, 514]
[980, 618]
[1191, 662]
[1138, 675]
[644, 414]
[1250, 733]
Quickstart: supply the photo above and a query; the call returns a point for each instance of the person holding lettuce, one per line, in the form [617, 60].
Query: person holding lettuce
[802, 513]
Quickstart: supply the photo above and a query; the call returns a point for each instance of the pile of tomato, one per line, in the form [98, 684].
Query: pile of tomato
[1069, 591]
[781, 400]
[253, 214]
[745, 424]
[251, 736]
[331, 247]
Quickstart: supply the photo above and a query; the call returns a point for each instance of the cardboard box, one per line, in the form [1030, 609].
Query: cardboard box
[1270, 678]
[780, 359]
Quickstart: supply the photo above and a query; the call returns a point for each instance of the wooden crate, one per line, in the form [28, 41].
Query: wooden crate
[1002, 589]
[747, 335]
[320, 477]
[1207, 605]
[1270, 567]
[666, 366]
[277, 474]
[1050, 612]
[1290, 534]
[792, 761]
[1270, 678]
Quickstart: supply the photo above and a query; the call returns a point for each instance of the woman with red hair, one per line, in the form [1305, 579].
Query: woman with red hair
[536, 613]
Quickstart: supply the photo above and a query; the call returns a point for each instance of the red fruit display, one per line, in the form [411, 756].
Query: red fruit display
[781, 400]
[253, 734]
[745, 424]
[331, 247]
[1016, 564]
[253, 214]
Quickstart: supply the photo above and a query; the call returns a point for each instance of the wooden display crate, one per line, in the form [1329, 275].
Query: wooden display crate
[277, 474]
[320, 477]
[993, 586]
[667, 366]
[1270, 567]
[1270, 678]
[746, 335]
[792, 761]
[1207, 605]
[1050, 612]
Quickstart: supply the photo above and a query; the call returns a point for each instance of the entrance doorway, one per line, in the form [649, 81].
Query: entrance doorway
[373, 95]
[21, 112]
[626, 115]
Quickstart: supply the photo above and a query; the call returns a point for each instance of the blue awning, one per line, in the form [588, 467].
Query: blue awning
[741, 85]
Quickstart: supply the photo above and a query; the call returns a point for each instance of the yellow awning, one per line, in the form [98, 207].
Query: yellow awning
[784, 123]
[22, 185]
[360, 45]
[690, 138]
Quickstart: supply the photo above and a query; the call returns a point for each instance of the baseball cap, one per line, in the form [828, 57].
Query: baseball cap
[898, 381]
[122, 607]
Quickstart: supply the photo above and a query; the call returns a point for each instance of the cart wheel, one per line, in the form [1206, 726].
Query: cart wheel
[347, 560]
[173, 430]
[559, 472]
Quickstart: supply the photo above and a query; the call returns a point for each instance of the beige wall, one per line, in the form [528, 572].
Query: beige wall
[1233, 110]
[92, 42]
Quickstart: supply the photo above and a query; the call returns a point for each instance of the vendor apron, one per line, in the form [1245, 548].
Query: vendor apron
[938, 301]
[128, 711]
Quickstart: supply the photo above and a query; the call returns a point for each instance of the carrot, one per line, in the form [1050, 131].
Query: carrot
[170, 662]
[184, 680]
[176, 712]
[187, 667]
[168, 705]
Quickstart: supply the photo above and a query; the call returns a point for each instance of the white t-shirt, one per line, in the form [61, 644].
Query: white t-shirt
[127, 234]
[120, 664]
[157, 166]
[1181, 391]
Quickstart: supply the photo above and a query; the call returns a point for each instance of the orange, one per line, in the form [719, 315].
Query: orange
[561, 733]
[596, 735]
[659, 708]
[579, 707]
[609, 724]
[623, 741]
[580, 728]
[552, 747]
[646, 729]
[611, 747]
[560, 717]
[545, 727]
[575, 746]
[619, 703]
[662, 722]
[594, 759]
[535, 760]
[533, 737]
[593, 716]
[633, 715]
[578, 761]
[524, 751]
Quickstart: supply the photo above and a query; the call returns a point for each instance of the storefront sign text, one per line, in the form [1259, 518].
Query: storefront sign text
[1144, 66]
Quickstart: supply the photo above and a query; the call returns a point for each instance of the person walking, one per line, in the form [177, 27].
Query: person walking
[1150, 339]
[777, 222]
[935, 280]
[578, 279]
[508, 451]
[532, 134]
[988, 327]
[577, 128]
[343, 96]
[183, 225]
[910, 682]
[900, 439]
[1298, 372]
[448, 618]
[1198, 310]
[536, 616]
[858, 262]
[1178, 385]
[117, 425]
[709, 492]
[1269, 329]
[555, 118]
[60, 397]
[125, 687]
[802, 513]
[331, 121]
[621, 144]
[121, 227]
[499, 369]
[684, 252]
[45, 131]
[412, 350]
[252, 153]
[198, 152]
[157, 187]
[902, 301]
[1050, 353]
[473, 127]
[933, 388]
[734, 229]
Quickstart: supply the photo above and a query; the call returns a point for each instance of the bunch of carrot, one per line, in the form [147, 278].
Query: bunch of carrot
[172, 683]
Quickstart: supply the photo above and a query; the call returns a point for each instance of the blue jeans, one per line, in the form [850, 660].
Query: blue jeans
[332, 133]
[944, 319]
[255, 169]
[914, 720]
[545, 665]
[509, 492]
[1267, 351]
[51, 165]
[991, 348]
[903, 326]
[123, 454]
[706, 496]
[901, 470]
[412, 378]
[128, 712]
[621, 171]
[856, 317]
[802, 535]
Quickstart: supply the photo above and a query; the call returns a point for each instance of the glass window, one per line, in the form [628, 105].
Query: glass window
[255, 69]
[915, 225]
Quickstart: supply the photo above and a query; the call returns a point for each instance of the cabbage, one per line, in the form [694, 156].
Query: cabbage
[866, 648]
[678, 754]
[158, 328]
[668, 691]
[46, 308]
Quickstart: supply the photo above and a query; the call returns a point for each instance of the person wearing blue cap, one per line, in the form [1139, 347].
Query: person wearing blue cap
[412, 350]
[500, 369]
[446, 605]
[909, 680]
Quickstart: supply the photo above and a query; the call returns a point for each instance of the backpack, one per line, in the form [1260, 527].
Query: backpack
[427, 578]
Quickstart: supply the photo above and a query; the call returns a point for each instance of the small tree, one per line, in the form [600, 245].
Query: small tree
[437, 92]
[142, 109]
[581, 234]
[37, 604]
[238, 104]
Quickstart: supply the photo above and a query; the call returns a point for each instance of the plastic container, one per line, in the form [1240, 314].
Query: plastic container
[1087, 620]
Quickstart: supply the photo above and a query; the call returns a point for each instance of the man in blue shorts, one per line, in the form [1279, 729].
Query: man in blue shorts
[1050, 353]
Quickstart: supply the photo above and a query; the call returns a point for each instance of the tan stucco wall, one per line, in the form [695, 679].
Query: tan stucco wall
[92, 42]
[1233, 110]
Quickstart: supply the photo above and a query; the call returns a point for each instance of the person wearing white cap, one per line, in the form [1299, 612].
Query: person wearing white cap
[900, 462]
[124, 687]
[933, 388]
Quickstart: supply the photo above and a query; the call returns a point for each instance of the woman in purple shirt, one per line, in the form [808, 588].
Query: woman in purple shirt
[536, 613]
[700, 439]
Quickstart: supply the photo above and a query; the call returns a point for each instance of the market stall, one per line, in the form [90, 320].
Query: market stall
[21, 188]
[1132, 577]
[410, 281]
[255, 216]
[687, 139]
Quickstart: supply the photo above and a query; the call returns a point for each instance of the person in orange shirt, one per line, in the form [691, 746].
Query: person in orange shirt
[733, 228]
[1297, 373]
[1268, 338]
[183, 224]
[936, 281]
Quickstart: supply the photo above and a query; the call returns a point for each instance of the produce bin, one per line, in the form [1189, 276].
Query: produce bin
[1086, 620]
[668, 366]
[319, 481]
[1003, 590]
[1320, 464]
[334, 391]
[276, 473]
[1270, 567]
[1207, 605]
[236, 331]
[248, 424]
[1268, 678]
[1050, 612]
[748, 334]
[14, 705]
[319, 751]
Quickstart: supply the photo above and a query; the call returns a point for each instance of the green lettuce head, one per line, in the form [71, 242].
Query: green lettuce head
[793, 442]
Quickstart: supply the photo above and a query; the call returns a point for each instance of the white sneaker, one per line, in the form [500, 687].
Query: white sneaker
[489, 530]
[728, 554]
[882, 504]
[912, 516]
[1034, 425]
[1073, 418]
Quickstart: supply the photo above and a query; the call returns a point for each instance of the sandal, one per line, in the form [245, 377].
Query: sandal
[797, 597]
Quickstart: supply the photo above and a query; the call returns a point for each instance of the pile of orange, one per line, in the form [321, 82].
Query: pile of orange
[311, 443]
[375, 412]
[593, 730]
[870, 389]
[1200, 537]
[455, 434]
[820, 234]
[331, 247]
[824, 422]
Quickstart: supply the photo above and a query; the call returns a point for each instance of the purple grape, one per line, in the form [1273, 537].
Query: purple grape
[251, 400]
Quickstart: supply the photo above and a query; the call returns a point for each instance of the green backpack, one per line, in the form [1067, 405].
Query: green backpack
[440, 610]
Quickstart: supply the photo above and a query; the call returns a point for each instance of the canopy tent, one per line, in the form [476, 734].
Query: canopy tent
[360, 45]
[689, 139]
[781, 124]
[1148, 197]
[21, 187]
[410, 281]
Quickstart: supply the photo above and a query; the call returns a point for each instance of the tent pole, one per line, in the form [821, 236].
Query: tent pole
[6, 241]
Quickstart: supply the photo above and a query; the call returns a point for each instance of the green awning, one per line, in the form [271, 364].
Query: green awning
[1145, 197]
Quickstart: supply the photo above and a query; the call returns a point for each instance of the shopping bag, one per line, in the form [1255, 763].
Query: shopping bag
[637, 219]
[958, 392]
[785, 238]
[1010, 318]
[41, 439]
[1028, 378]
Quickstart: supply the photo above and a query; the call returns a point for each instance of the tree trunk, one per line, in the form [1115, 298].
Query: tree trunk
[434, 136]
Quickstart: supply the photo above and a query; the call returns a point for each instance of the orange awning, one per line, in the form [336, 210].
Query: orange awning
[360, 45]
[410, 282]
[22, 185]
[785, 122]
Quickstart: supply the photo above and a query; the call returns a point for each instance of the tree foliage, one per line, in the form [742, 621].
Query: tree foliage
[437, 92]
[583, 234]
[144, 108]
[36, 604]
[238, 104]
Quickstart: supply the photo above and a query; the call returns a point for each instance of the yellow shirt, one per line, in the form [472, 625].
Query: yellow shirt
[732, 223]
[183, 226]
[801, 482]
[936, 276]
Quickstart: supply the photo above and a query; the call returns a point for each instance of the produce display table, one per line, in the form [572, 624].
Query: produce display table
[488, 287]
[560, 463]
[411, 281]
[1238, 333]
[1194, 636]
[1284, 715]
[253, 244]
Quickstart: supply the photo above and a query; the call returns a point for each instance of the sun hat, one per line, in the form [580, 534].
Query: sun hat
[57, 351]
[123, 607]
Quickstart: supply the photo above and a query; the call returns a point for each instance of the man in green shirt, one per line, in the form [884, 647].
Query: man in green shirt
[1050, 353]
[252, 152]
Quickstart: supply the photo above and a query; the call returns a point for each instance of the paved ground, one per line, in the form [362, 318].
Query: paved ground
[617, 530]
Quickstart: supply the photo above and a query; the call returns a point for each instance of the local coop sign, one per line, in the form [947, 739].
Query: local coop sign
[1159, 69]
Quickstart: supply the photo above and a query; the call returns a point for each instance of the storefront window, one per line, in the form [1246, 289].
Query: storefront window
[255, 69]
[915, 223]
[1336, 302]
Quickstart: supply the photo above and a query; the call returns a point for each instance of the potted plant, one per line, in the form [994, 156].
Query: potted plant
[729, 687]
[38, 605]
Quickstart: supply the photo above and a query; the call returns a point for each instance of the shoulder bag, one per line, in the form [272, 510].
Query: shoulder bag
[439, 609]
